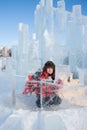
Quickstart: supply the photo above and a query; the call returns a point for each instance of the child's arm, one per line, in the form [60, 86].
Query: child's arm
[37, 75]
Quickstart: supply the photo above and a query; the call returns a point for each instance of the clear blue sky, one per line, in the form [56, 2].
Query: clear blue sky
[12, 12]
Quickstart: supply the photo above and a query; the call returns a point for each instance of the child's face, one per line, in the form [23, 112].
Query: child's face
[49, 70]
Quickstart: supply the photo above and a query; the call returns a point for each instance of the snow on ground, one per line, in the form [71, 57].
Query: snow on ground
[23, 117]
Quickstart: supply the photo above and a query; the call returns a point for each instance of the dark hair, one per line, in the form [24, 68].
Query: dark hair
[49, 64]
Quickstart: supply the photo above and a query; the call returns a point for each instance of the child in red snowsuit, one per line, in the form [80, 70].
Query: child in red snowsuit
[48, 75]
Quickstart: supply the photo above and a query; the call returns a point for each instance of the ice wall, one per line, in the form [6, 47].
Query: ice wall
[49, 25]
[14, 56]
[56, 29]
[34, 57]
[23, 52]
[60, 37]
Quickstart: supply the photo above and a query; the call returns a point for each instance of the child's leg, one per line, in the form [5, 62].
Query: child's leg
[48, 100]
[38, 101]
[57, 100]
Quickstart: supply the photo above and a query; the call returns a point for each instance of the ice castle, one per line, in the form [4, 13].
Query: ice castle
[59, 35]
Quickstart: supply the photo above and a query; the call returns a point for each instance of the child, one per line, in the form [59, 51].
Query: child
[47, 74]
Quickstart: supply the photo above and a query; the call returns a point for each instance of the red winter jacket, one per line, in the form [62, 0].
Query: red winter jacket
[35, 86]
[44, 75]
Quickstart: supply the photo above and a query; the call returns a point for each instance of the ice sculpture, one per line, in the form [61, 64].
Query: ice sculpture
[60, 36]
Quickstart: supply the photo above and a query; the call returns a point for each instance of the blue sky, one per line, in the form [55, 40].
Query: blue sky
[12, 12]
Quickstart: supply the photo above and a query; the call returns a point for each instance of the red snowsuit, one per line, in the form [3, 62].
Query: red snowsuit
[34, 86]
